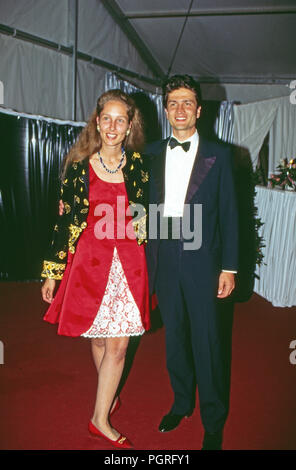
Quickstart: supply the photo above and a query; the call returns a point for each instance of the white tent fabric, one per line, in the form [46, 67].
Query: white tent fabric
[90, 85]
[41, 18]
[35, 80]
[100, 36]
[38, 80]
[251, 124]
[282, 138]
[223, 38]
[11, 112]
[277, 273]
[253, 121]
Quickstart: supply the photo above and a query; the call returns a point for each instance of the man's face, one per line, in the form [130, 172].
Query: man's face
[182, 110]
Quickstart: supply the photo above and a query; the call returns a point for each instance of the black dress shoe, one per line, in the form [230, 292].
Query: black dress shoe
[212, 441]
[172, 421]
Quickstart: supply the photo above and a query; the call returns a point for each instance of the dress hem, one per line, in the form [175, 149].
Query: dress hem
[112, 336]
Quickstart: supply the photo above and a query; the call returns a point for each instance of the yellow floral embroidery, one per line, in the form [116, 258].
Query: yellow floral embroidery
[74, 234]
[136, 155]
[53, 270]
[67, 208]
[85, 202]
[139, 193]
[132, 167]
[140, 229]
[144, 176]
[77, 199]
[62, 254]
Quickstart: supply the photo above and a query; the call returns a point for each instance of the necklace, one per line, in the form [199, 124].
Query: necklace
[108, 169]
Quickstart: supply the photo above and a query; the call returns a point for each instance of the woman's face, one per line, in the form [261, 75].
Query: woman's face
[114, 123]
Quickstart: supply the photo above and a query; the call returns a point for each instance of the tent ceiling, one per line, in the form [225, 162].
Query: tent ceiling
[223, 40]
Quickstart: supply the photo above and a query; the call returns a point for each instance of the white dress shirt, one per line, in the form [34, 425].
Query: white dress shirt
[178, 168]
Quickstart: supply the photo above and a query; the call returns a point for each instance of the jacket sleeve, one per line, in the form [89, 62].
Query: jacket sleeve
[228, 215]
[55, 260]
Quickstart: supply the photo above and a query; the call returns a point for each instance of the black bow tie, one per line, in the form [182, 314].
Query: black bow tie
[174, 143]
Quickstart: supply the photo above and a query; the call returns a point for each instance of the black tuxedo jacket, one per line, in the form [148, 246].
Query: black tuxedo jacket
[211, 185]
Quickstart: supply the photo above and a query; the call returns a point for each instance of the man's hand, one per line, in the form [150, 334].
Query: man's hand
[61, 207]
[226, 285]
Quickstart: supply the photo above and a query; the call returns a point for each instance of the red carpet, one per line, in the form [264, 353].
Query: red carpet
[48, 383]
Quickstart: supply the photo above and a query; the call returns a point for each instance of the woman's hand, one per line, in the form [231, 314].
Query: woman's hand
[47, 290]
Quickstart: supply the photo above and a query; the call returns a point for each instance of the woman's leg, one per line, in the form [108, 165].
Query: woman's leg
[98, 351]
[111, 365]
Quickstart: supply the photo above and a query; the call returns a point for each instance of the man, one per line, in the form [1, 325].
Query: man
[189, 172]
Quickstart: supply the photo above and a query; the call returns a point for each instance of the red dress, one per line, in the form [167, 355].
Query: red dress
[91, 293]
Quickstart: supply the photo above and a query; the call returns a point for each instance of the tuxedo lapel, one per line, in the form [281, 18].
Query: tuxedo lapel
[202, 165]
[158, 170]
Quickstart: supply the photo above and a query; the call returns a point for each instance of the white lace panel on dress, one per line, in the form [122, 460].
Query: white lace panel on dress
[118, 314]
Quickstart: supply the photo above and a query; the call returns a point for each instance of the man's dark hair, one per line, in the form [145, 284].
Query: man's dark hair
[181, 81]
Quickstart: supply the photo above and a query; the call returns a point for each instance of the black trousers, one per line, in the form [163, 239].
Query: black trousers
[198, 335]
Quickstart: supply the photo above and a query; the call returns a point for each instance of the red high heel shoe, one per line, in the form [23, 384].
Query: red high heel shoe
[116, 407]
[121, 443]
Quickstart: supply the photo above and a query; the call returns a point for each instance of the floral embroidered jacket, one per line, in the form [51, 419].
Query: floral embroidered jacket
[74, 194]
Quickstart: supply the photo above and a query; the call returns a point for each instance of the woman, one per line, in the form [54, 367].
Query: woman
[98, 248]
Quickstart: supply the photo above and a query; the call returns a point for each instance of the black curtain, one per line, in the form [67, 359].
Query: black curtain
[31, 152]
